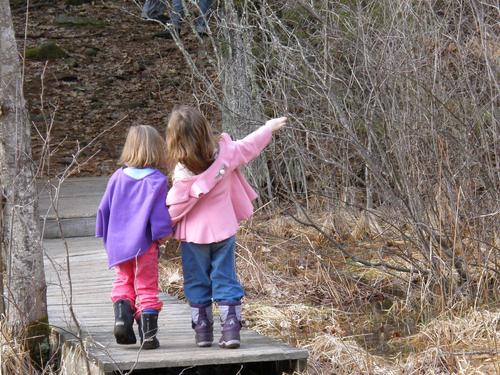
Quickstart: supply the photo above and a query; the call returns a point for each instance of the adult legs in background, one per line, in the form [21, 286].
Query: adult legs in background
[154, 9]
[178, 11]
[200, 22]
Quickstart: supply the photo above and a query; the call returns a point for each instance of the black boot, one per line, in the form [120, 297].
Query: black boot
[148, 329]
[124, 320]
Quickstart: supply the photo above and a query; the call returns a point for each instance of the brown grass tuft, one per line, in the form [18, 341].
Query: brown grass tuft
[345, 356]
[297, 323]
[468, 344]
[15, 357]
[171, 279]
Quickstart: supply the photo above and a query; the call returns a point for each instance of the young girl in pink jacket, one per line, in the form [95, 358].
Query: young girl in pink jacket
[208, 199]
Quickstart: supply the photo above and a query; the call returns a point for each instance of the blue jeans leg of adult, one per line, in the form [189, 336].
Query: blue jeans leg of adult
[153, 8]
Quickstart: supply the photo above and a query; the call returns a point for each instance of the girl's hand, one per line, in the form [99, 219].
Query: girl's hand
[164, 240]
[276, 123]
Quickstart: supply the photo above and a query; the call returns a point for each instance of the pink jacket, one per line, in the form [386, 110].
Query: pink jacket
[208, 207]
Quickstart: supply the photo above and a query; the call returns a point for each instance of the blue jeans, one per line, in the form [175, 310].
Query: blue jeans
[155, 8]
[210, 272]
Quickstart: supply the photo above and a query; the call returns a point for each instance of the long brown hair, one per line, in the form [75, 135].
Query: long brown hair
[190, 140]
[144, 147]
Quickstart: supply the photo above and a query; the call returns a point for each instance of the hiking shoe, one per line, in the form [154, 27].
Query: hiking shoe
[231, 326]
[203, 325]
[148, 329]
[230, 338]
[124, 320]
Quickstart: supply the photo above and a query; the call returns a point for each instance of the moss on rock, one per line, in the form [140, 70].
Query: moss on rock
[46, 51]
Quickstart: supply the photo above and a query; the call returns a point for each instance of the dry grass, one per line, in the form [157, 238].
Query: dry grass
[15, 358]
[171, 279]
[463, 345]
[297, 322]
[334, 316]
[345, 356]
[301, 290]
[477, 331]
[352, 319]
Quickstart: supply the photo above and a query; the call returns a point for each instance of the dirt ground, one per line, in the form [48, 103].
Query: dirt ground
[113, 70]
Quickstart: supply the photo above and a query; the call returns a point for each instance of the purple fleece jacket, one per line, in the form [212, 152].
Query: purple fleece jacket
[132, 215]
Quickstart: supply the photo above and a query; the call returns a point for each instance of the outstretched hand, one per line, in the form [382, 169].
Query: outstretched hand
[277, 123]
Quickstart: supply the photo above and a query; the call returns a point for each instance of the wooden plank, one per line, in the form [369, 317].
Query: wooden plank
[91, 303]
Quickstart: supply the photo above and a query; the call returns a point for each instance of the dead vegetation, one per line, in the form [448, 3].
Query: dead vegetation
[352, 319]
[15, 357]
[382, 220]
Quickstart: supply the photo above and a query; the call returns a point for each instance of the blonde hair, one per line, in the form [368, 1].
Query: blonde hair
[190, 140]
[144, 147]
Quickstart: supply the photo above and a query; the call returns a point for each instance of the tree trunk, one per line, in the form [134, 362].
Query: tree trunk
[240, 113]
[25, 288]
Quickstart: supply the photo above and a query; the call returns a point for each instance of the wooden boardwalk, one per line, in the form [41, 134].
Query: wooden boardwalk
[89, 297]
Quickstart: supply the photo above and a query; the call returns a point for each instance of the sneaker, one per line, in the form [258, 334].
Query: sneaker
[124, 320]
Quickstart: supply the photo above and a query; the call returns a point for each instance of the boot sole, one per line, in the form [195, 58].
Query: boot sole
[231, 344]
[148, 345]
[204, 344]
[124, 335]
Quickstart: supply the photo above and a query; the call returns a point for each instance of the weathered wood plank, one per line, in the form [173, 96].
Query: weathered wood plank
[91, 302]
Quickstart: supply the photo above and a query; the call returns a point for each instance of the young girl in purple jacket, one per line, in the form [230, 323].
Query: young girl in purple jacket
[208, 199]
[133, 219]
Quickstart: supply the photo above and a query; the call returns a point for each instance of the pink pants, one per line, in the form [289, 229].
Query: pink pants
[137, 281]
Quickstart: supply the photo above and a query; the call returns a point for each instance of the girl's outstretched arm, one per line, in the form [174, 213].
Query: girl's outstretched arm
[252, 145]
[276, 123]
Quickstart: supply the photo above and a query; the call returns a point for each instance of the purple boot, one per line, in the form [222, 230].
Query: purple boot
[203, 324]
[230, 316]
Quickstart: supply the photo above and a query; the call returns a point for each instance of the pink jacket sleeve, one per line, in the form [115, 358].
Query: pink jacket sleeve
[251, 146]
[186, 193]
[179, 200]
